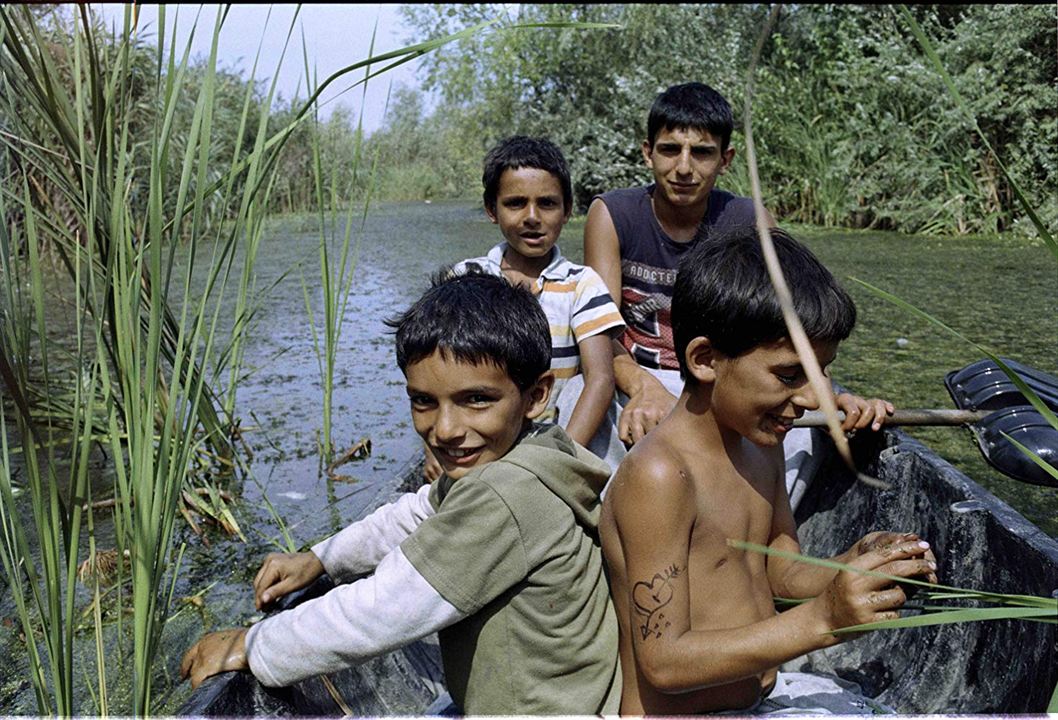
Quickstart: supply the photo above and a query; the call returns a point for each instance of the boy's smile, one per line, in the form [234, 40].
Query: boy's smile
[530, 212]
[469, 414]
[686, 163]
[760, 393]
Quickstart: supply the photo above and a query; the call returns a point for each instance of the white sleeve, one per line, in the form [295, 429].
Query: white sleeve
[360, 547]
[350, 624]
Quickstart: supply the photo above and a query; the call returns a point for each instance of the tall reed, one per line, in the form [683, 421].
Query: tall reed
[336, 273]
[142, 359]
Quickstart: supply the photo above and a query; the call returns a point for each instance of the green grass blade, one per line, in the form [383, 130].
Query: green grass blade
[961, 615]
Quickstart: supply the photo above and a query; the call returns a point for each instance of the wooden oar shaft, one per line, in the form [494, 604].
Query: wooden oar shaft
[923, 416]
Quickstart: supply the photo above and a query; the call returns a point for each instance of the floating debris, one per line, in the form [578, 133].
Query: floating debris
[101, 567]
[360, 450]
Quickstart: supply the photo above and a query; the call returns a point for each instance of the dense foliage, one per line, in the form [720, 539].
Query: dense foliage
[853, 127]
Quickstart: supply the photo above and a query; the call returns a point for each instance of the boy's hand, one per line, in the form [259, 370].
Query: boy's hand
[860, 412]
[885, 540]
[855, 599]
[214, 653]
[431, 469]
[644, 410]
[283, 573]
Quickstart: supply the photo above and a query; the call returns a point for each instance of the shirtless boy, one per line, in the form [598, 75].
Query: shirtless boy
[699, 629]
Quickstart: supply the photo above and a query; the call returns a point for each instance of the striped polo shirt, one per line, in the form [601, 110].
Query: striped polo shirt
[577, 306]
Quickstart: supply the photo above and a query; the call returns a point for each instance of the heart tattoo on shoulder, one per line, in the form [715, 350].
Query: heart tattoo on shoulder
[650, 599]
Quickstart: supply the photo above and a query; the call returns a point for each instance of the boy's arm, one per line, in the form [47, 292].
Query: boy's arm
[602, 250]
[594, 320]
[655, 514]
[796, 580]
[596, 363]
[361, 546]
[350, 624]
[649, 401]
[355, 550]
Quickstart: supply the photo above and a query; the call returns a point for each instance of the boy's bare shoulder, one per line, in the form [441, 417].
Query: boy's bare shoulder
[654, 466]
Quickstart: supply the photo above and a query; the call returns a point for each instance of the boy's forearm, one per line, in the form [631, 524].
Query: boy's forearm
[802, 580]
[590, 409]
[628, 375]
[350, 624]
[699, 659]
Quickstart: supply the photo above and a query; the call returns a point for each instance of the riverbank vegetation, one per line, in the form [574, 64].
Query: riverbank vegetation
[854, 128]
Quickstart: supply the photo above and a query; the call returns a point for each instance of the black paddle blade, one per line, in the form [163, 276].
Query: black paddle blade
[1025, 425]
[983, 386]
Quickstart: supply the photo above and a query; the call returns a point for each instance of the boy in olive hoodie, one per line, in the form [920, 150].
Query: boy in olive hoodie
[500, 556]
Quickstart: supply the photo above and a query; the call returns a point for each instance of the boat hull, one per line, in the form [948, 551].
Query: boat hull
[1008, 666]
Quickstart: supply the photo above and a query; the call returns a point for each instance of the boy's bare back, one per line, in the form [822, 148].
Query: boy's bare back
[674, 502]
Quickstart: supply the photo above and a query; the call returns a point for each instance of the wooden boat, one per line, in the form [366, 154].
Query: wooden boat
[980, 542]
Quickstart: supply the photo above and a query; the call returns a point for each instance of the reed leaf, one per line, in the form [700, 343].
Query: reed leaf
[961, 615]
[945, 591]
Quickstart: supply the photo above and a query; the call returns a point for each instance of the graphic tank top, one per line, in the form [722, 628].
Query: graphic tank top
[649, 259]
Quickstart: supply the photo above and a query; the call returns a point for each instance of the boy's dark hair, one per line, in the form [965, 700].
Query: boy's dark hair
[691, 105]
[723, 292]
[521, 151]
[476, 318]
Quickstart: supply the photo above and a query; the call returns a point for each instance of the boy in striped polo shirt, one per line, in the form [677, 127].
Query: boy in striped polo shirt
[528, 193]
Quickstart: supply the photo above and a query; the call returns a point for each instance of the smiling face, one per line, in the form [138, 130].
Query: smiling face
[760, 393]
[469, 414]
[530, 212]
[686, 163]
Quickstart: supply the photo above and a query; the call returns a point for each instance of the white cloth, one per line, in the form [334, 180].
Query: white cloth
[798, 693]
[350, 624]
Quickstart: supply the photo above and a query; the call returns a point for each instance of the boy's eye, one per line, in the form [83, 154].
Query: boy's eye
[478, 399]
[788, 378]
[420, 401]
[514, 203]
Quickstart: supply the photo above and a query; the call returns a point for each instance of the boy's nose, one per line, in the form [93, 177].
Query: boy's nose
[447, 427]
[532, 214]
[683, 166]
[806, 397]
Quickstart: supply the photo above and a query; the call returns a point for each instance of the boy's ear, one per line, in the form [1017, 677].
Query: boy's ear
[539, 394]
[647, 147]
[726, 157]
[700, 358]
[491, 212]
